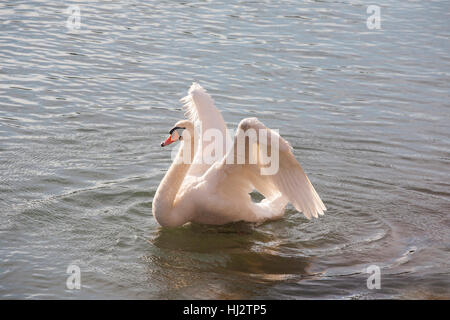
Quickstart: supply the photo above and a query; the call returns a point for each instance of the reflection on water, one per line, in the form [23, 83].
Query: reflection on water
[234, 251]
[245, 250]
[82, 114]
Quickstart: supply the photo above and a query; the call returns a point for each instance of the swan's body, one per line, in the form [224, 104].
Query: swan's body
[218, 193]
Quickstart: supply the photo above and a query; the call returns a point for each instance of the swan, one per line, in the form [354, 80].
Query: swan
[217, 193]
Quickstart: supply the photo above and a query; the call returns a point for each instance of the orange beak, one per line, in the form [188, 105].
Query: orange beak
[167, 142]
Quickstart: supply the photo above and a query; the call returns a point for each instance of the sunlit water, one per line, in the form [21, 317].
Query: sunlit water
[82, 114]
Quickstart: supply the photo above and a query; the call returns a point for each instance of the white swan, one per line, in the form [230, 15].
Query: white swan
[218, 193]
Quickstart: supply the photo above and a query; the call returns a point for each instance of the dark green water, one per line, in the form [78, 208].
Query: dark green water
[82, 114]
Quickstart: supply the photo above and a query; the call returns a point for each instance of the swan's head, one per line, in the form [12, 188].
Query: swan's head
[181, 131]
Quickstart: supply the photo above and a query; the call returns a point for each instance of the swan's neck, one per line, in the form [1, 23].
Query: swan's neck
[163, 202]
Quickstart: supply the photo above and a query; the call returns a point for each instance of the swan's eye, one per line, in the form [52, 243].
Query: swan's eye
[177, 133]
[175, 136]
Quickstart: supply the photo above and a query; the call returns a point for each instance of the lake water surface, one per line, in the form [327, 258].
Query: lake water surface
[82, 114]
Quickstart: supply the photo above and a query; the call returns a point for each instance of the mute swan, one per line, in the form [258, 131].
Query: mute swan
[218, 192]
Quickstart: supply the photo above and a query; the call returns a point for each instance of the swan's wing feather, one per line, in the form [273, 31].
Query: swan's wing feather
[295, 185]
[290, 180]
[199, 108]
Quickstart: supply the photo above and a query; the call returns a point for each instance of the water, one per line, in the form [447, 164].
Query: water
[82, 114]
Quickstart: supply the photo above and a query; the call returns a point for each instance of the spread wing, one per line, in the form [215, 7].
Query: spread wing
[289, 179]
[200, 109]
